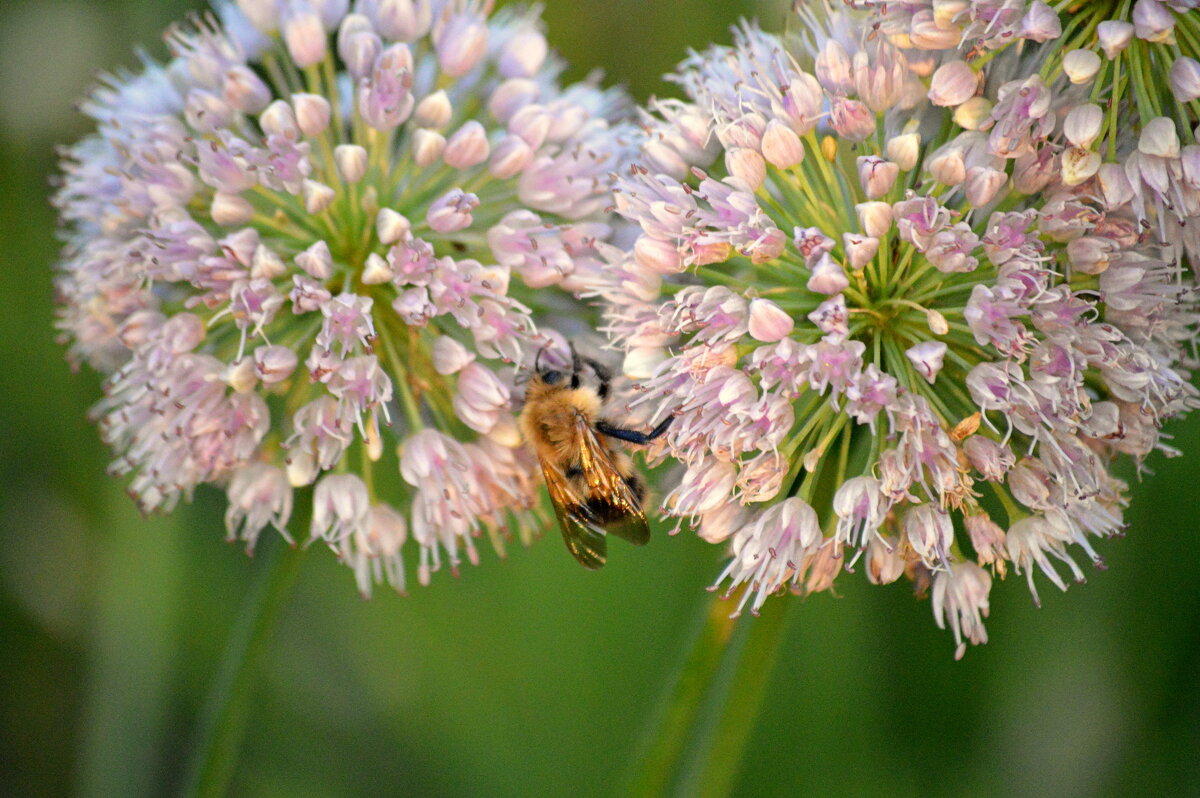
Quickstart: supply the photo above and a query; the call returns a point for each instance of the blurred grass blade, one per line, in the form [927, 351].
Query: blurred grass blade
[222, 727]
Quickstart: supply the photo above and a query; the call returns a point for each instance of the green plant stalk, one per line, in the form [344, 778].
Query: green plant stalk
[701, 732]
[222, 724]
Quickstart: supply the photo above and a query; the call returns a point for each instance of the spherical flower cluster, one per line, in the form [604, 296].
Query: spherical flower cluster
[909, 291]
[291, 251]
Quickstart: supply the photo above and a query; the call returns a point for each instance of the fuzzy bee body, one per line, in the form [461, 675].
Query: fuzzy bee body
[593, 485]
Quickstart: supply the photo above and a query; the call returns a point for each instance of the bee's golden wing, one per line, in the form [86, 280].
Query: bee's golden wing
[584, 537]
[610, 501]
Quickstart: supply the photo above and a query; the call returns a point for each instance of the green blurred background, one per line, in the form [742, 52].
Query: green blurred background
[531, 676]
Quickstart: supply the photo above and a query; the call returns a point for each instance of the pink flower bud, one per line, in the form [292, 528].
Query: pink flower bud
[427, 146]
[1040, 23]
[391, 226]
[351, 161]
[1090, 254]
[229, 210]
[991, 459]
[273, 364]
[746, 165]
[661, 257]
[983, 183]
[312, 113]
[359, 50]
[480, 397]
[781, 147]
[1159, 138]
[510, 157]
[434, 110]
[511, 96]
[467, 147]
[828, 277]
[953, 83]
[1185, 79]
[305, 37]
[927, 358]
[265, 264]
[768, 321]
[859, 249]
[403, 20]
[532, 123]
[1153, 21]
[244, 90]
[851, 119]
[452, 212]
[461, 43]
[1114, 185]
[317, 261]
[833, 68]
[1115, 36]
[1081, 65]
[876, 175]
[875, 218]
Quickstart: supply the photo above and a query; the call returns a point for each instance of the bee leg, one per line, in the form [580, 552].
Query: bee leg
[575, 367]
[602, 374]
[632, 435]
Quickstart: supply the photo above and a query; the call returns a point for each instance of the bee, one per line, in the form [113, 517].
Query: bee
[593, 485]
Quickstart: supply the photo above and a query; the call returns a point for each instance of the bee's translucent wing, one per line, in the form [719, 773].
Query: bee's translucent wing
[584, 537]
[611, 501]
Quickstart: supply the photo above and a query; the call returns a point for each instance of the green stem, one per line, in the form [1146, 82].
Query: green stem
[228, 707]
[700, 736]
[715, 755]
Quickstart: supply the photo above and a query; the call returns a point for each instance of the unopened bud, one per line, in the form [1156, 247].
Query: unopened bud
[768, 321]
[859, 249]
[391, 226]
[317, 261]
[1115, 35]
[972, 114]
[279, 120]
[523, 54]
[953, 84]
[510, 157]
[317, 196]
[828, 277]
[427, 147]
[1083, 124]
[1081, 65]
[230, 209]
[1185, 79]
[1159, 138]
[312, 113]
[903, 150]
[876, 175]
[351, 160]
[434, 111]
[746, 165]
[376, 270]
[305, 38]
[781, 147]
[467, 147]
[875, 218]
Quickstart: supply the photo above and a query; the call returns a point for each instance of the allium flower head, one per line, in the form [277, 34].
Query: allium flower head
[291, 251]
[894, 332]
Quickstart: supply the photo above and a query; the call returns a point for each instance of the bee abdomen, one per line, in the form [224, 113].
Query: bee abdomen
[636, 485]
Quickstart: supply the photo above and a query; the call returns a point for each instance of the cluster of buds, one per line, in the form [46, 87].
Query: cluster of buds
[909, 291]
[292, 251]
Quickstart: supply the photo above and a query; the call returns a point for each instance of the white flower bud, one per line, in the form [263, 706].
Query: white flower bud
[229, 210]
[953, 84]
[947, 166]
[317, 261]
[1083, 124]
[376, 270]
[1114, 185]
[876, 175]
[936, 322]
[449, 356]
[273, 364]
[828, 277]
[972, 114]
[1159, 138]
[1081, 65]
[312, 113]
[279, 120]
[875, 218]
[266, 264]
[746, 165]
[903, 150]
[240, 375]
[391, 226]
[427, 147]
[467, 147]
[1040, 23]
[523, 54]
[983, 183]
[768, 321]
[305, 37]
[859, 249]
[434, 110]
[641, 361]
[351, 160]
[1153, 22]
[927, 358]
[1115, 35]
[1185, 79]
[781, 147]
[317, 196]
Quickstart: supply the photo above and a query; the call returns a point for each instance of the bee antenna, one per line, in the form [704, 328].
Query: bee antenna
[576, 365]
[537, 361]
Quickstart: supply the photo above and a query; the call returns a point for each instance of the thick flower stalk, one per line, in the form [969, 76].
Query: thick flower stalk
[898, 328]
[291, 252]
